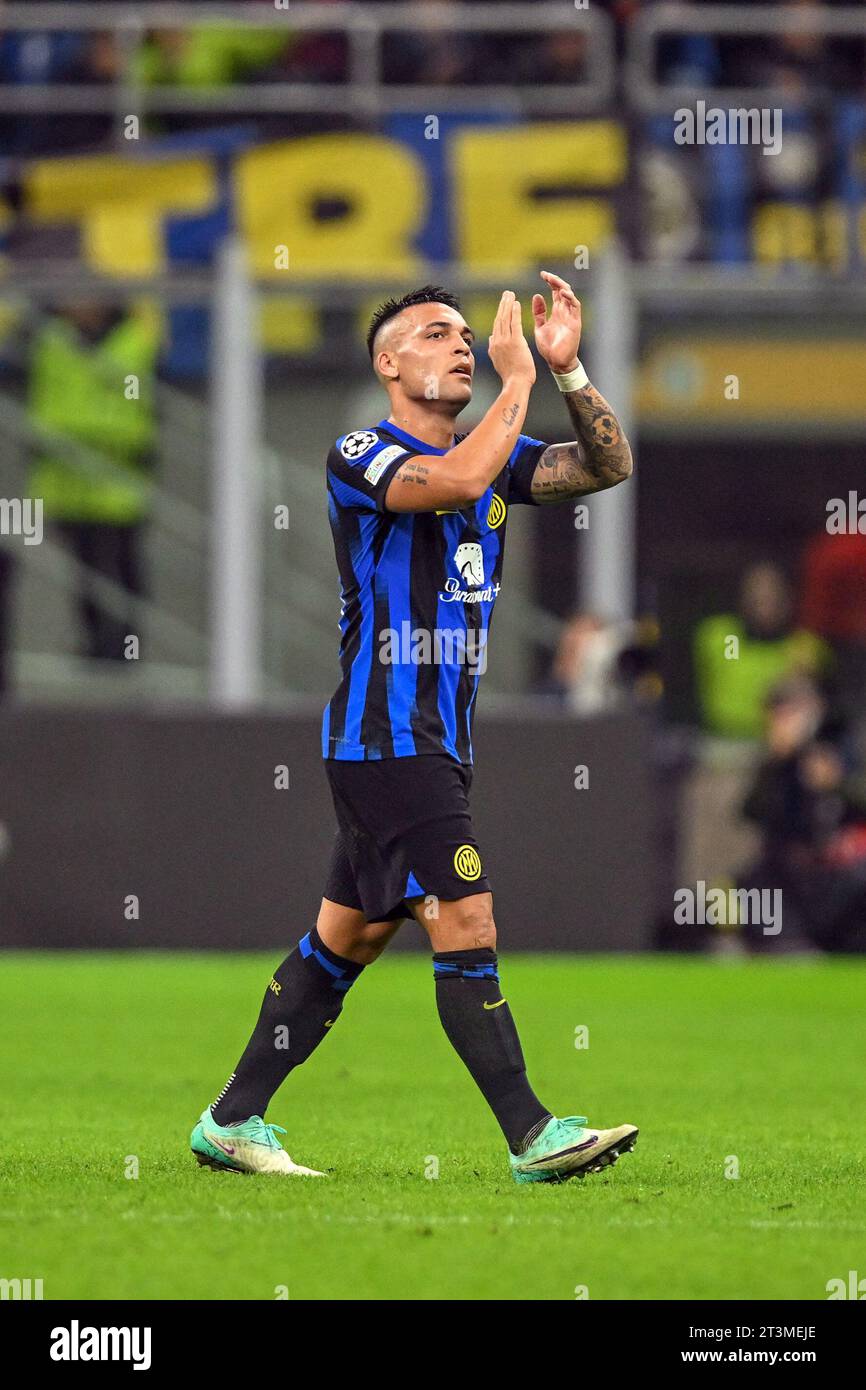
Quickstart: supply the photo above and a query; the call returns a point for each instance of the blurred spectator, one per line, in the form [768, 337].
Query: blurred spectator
[600, 666]
[739, 657]
[82, 362]
[834, 607]
[215, 57]
[432, 54]
[558, 57]
[37, 58]
[801, 58]
[207, 56]
[808, 798]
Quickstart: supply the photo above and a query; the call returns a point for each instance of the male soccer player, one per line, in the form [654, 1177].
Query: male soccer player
[418, 515]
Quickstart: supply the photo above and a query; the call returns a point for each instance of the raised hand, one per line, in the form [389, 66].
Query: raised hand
[557, 336]
[508, 349]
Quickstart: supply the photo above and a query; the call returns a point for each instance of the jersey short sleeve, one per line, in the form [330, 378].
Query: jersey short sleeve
[360, 467]
[521, 466]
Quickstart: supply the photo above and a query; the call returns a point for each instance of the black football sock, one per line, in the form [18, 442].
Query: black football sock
[302, 1001]
[481, 1030]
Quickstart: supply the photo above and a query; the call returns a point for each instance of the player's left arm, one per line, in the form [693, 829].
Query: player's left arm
[599, 456]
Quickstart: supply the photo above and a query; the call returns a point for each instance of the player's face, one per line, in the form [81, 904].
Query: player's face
[433, 352]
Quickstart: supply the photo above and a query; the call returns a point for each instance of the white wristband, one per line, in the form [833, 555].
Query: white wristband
[571, 381]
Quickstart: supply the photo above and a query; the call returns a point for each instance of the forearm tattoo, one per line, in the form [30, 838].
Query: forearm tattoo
[599, 457]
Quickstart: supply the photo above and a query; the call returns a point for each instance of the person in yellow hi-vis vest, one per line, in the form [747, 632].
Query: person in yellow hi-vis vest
[739, 657]
[91, 382]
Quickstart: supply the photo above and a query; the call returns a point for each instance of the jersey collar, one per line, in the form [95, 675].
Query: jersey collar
[409, 438]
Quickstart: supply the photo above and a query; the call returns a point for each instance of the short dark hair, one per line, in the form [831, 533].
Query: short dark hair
[428, 294]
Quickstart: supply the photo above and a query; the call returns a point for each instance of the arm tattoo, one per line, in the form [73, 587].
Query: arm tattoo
[598, 458]
[510, 415]
[413, 473]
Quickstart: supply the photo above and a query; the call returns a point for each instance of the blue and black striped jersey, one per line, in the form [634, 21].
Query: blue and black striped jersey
[418, 591]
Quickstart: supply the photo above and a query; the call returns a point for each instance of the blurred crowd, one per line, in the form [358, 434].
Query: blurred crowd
[428, 54]
[785, 675]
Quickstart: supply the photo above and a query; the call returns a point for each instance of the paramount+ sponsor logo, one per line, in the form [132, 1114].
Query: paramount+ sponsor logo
[452, 593]
[77, 1343]
[469, 560]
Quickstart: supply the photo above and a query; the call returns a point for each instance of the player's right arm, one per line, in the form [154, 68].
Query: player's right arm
[430, 482]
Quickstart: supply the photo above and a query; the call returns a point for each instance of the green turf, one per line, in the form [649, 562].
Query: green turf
[112, 1056]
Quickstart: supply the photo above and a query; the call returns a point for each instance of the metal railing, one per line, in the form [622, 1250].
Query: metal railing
[364, 26]
[298, 607]
[644, 91]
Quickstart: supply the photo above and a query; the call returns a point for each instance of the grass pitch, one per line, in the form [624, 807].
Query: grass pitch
[755, 1067]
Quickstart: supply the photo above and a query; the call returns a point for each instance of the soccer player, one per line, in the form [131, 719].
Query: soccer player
[418, 514]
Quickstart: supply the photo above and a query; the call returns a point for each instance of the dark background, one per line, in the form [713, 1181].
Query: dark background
[181, 810]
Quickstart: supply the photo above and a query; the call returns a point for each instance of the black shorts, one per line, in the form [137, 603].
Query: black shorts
[405, 832]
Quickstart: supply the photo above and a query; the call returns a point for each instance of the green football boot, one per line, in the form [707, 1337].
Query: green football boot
[251, 1147]
[568, 1148]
